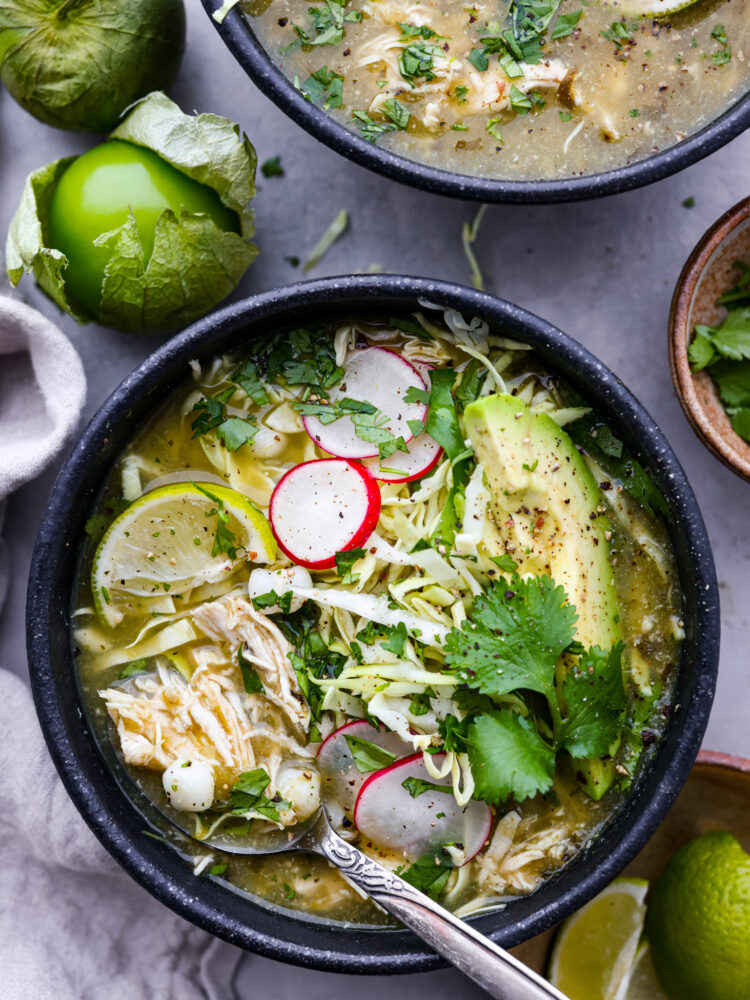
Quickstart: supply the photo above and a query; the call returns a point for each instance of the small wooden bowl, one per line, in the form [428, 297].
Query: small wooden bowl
[716, 796]
[708, 273]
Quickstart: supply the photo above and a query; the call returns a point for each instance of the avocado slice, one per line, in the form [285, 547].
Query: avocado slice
[548, 515]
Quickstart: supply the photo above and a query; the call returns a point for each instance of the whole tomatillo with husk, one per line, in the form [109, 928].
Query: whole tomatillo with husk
[146, 232]
[79, 64]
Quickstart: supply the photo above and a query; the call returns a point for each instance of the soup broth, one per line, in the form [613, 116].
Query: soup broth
[508, 89]
[488, 603]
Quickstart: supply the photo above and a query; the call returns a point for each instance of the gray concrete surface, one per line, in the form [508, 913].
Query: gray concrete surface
[603, 271]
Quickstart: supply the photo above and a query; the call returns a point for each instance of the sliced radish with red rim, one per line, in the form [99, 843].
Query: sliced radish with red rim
[371, 375]
[387, 814]
[401, 467]
[341, 779]
[323, 507]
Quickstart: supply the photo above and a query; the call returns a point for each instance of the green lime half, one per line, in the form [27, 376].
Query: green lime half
[593, 954]
[699, 921]
[173, 539]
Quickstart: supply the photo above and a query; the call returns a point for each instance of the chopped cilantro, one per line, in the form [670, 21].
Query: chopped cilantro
[344, 563]
[225, 540]
[368, 756]
[250, 677]
[418, 786]
[430, 873]
[272, 167]
[133, 668]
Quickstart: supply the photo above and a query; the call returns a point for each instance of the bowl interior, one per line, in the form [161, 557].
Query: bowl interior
[708, 273]
[120, 824]
[240, 38]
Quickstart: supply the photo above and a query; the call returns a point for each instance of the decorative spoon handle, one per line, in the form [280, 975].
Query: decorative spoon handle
[490, 966]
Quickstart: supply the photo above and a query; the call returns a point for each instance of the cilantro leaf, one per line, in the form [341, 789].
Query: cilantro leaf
[595, 698]
[396, 641]
[344, 563]
[454, 733]
[248, 379]
[248, 788]
[133, 668]
[442, 419]
[368, 756]
[272, 599]
[236, 431]
[732, 337]
[509, 758]
[250, 677]
[587, 432]
[565, 25]
[733, 381]
[506, 563]
[272, 167]
[514, 636]
[225, 539]
[418, 786]
[430, 873]
[740, 420]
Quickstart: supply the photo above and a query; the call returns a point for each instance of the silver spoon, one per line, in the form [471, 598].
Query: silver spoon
[479, 958]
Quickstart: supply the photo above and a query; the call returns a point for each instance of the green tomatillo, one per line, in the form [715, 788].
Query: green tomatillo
[78, 64]
[145, 232]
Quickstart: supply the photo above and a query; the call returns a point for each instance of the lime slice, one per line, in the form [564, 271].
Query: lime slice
[595, 948]
[644, 983]
[172, 539]
[651, 8]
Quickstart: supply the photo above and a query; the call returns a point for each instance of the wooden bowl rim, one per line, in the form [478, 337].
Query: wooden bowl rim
[722, 446]
[730, 762]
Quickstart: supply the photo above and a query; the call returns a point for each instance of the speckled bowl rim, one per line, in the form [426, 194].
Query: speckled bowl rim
[112, 815]
[269, 79]
[679, 338]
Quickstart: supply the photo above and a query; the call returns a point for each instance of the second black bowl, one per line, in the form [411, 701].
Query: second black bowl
[238, 35]
[113, 815]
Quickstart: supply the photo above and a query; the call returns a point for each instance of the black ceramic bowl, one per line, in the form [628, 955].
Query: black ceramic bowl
[241, 40]
[116, 818]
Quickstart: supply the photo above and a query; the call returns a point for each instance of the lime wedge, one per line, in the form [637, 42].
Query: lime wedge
[594, 951]
[644, 983]
[173, 539]
[651, 8]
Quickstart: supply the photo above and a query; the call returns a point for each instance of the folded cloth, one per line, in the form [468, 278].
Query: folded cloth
[42, 392]
[73, 926]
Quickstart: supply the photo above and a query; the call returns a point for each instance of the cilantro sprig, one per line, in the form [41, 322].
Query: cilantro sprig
[511, 644]
[723, 351]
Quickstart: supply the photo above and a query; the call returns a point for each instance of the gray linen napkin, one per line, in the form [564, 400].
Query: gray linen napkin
[73, 926]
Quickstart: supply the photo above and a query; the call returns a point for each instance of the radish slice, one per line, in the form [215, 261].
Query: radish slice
[372, 375]
[387, 814]
[401, 467]
[323, 507]
[340, 777]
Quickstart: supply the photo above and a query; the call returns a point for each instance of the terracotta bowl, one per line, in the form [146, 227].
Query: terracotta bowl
[708, 273]
[716, 796]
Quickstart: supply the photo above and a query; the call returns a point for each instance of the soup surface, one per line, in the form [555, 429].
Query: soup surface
[394, 567]
[510, 89]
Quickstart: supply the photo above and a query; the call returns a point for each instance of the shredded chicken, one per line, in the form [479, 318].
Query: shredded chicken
[161, 718]
[518, 859]
[234, 620]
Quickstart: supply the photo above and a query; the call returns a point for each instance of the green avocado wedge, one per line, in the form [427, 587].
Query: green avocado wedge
[548, 514]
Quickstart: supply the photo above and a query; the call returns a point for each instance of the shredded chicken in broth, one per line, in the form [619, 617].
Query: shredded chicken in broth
[524, 89]
[397, 569]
